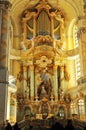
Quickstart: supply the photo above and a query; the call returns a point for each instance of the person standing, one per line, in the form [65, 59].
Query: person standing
[8, 126]
[15, 127]
[69, 125]
[57, 126]
[85, 127]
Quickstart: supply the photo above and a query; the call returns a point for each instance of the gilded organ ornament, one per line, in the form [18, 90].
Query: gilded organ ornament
[45, 22]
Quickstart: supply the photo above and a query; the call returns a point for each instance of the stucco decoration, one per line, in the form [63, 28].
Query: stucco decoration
[43, 62]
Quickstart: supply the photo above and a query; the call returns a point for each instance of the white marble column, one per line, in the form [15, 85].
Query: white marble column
[24, 79]
[13, 106]
[55, 90]
[28, 82]
[52, 27]
[8, 106]
[62, 77]
[4, 34]
[34, 35]
[52, 81]
[36, 86]
[32, 82]
[3, 102]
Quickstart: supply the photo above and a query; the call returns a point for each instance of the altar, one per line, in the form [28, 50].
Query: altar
[43, 70]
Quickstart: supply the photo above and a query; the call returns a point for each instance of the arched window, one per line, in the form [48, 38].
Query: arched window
[78, 67]
[73, 108]
[27, 111]
[61, 112]
[81, 107]
[76, 42]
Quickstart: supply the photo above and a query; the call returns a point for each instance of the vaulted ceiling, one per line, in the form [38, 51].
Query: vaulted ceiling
[72, 9]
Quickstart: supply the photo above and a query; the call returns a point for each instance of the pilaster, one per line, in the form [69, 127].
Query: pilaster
[55, 82]
[24, 78]
[52, 27]
[62, 77]
[32, 82]
[4, 33]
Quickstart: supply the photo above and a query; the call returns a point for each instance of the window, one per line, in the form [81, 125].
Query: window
[81, 106]
[78, 67]
[73, 108]
[76, 37]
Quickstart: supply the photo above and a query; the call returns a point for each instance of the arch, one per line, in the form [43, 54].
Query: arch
[16, 32]
[27, 111]
[70, 34]
[62, 111]
[81, 106]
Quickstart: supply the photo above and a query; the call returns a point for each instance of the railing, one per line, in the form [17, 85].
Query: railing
[79, 125]
[46, 124]
[23, 123]
[81, 81]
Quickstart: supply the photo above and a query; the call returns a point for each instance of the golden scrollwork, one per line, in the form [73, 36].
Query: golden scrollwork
[43, 62]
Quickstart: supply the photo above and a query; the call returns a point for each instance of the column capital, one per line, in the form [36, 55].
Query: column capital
[25, 68]
[62, 67]
[5, 4]
[56, 98]
[55, 67]
[31, 67]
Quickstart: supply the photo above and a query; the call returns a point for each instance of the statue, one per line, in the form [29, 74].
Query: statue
[66, 75]
[27, 93]
[61, 94]
[43, 93]
[44, 89]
